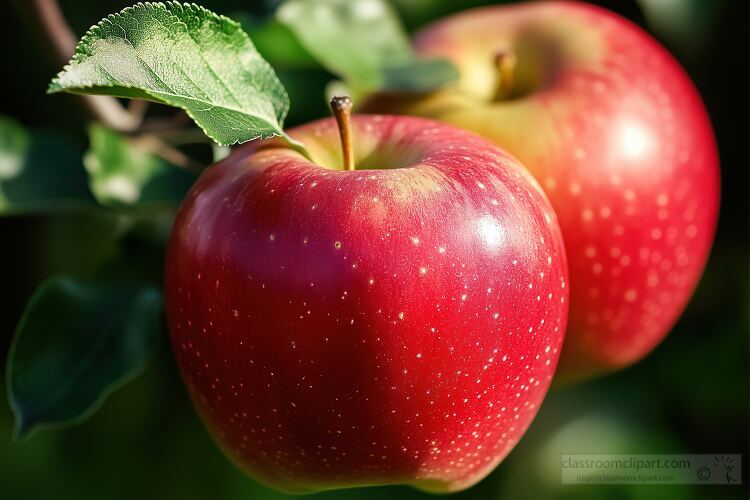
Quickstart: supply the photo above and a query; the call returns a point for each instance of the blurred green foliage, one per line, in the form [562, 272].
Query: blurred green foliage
[26, 157]
[109, 327]
[124, 176]
[367, 47]
[689, 396]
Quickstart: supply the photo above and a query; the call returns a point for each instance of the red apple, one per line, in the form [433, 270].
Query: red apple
[618, 137]
[398, 323]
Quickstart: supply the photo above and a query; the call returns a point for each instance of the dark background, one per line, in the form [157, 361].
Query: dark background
[689, 396]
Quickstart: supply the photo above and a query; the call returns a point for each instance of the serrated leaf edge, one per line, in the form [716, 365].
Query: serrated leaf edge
[91, 33]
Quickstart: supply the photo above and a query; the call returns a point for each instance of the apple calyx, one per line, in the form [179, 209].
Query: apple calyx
[505, 64]
[341, 107]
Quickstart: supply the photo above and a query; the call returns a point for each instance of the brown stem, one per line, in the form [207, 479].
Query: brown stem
[505, 62]
[160, 148]
[165, 125]
[180, 137]
[45, 18]
[341, 106]
[138, 108]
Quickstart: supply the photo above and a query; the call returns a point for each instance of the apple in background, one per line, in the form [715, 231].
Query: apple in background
[614, 131]
[396, 323]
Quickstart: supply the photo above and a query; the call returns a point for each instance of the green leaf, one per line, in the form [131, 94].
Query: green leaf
[418, 75]
[363, 42]
[77, 342]
[39, 172]
[276, 42]
[185, 56]
[124, 174]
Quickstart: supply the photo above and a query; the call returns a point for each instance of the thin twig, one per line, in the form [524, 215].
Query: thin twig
[180, 137]
[156, 146]
[138, 108]
[46, 19]
[160, 125]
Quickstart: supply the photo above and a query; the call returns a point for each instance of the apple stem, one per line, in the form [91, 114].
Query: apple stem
[341, 106]
[505, 62]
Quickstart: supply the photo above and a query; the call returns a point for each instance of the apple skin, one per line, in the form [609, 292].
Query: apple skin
[614, 131]
[347, 328]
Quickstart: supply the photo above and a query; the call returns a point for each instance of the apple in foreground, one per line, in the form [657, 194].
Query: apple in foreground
[614, 131]
[395, 323]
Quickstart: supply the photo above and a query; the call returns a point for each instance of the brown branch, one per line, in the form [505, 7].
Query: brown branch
[45, 18]
[138, 108]
[156, 146]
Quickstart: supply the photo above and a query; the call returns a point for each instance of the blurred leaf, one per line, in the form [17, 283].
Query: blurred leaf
[417, 13]
[354, 39]
[686, 24]
[38, 172]
[77, 342]
[276, 42]
[185, 56]
[122, 174]
[419, 75]
[361, 41]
